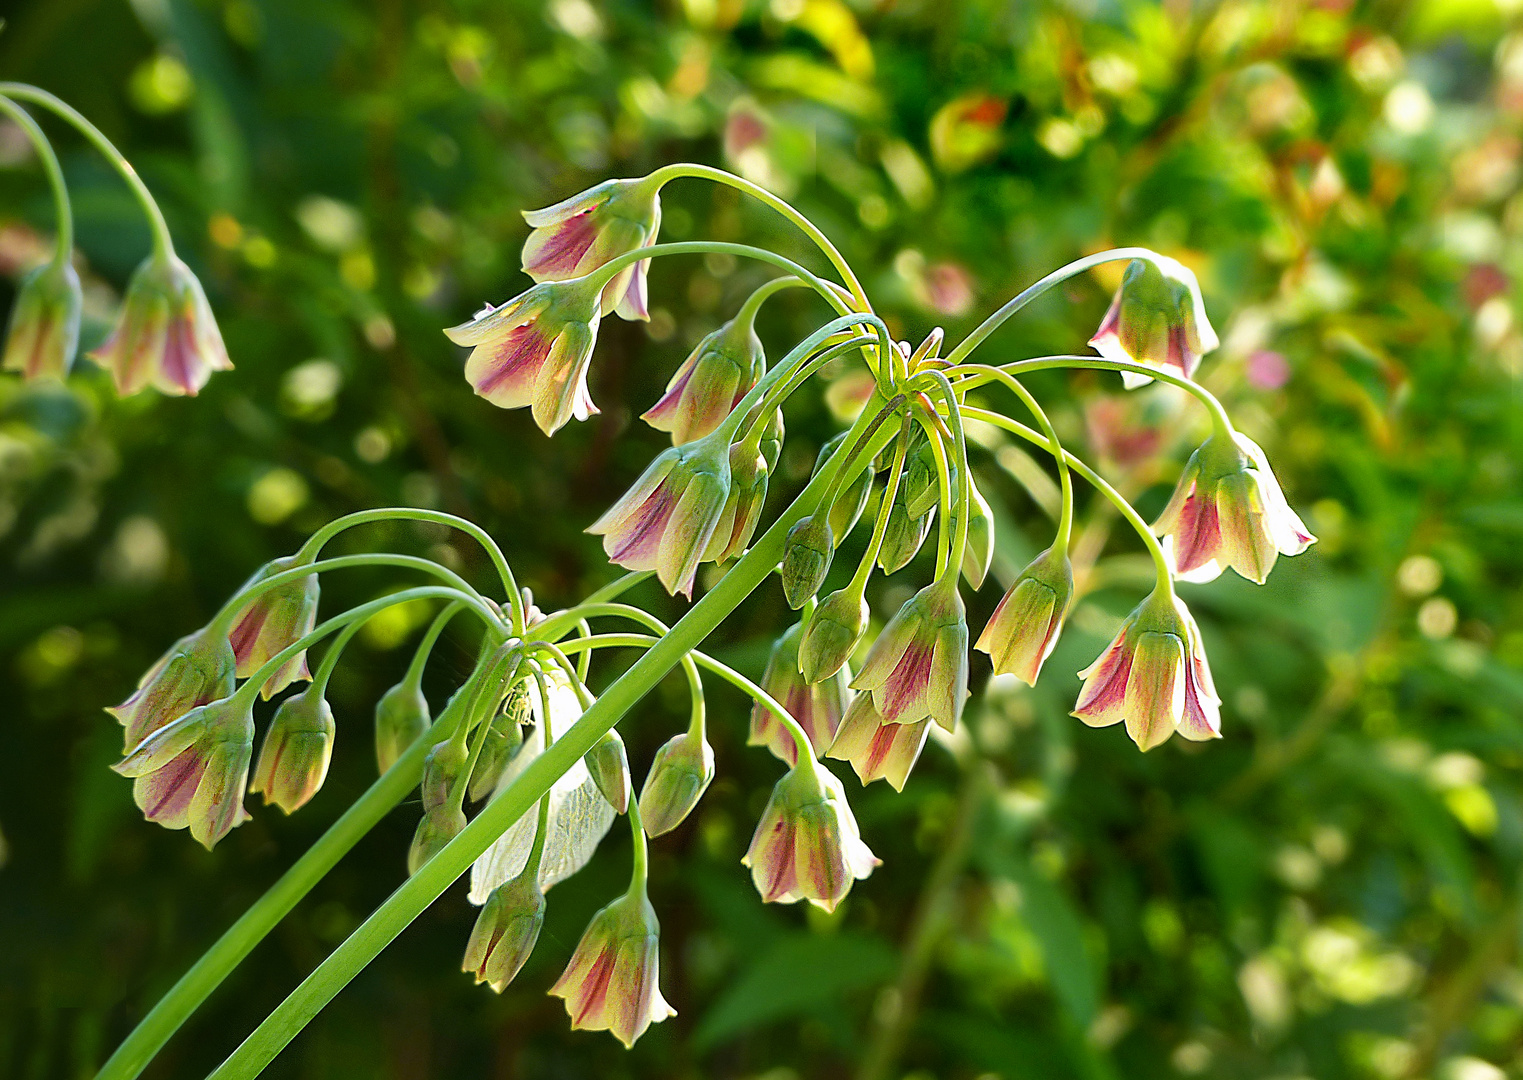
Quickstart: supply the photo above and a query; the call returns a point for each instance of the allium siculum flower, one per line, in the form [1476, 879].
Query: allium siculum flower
[166, 334]
[505, 932]
[293, 759]
[678, 777]
[903, 536]
[807, 845]
[1228, 510]
[667, 519]
[273, 620]
[401, 717]
[743, 506]
[197, 670]
[832, 633]
[818, 707]
[577, 235]
[613, 980]
[918, 667]
[721, 370]
[1154, 676]
[1157, 318]
[534, 351]
[878, 751]
[191, 773]
[44, 327]
[1021, 633]
[806, 559]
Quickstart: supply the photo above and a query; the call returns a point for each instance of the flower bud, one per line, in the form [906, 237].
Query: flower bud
[608, 764]
[807, 845]
[847, 509]
[772, 440]
[878, 751]
[505, 932]
[918, 667]
[817, 707]
[578, 235]
[678, 777]
[442, 767]
[1157, 318]
[979, 553]
[272, 621]
[806, 559]
[832, 634]
[1024, 628]
[743, 506]
[401, 717]
[613, 980]
[165, 335]
[293, 760]
[438, 827]
[921, 489]
[534, 350]
[190, 773]
[503, 739]
[197, 670]
[44, 326]
[903, 536]
[714, 378]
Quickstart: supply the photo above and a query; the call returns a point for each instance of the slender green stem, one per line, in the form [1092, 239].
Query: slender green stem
[965, 480]
[49, 160]
[331, 657]
[792, 380]
[880, 524]
[163, 245]
[414, 676]
[638, 870]
[746, 316]
[944, 489]
[554, 627]
[645, 619]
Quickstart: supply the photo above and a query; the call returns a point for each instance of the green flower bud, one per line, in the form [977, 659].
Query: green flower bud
[503, 739]
[831, 634]
[979, 553]
[678, 777]
[806, 559]
[903, 536]
[608, 764]
[401, 716]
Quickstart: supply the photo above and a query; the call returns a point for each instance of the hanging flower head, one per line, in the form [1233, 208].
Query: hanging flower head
[44, 327]
[918, 667]
[1024, 628]
[714, 378]
[818, 707]
[577, 235]
[505, 932]
[197, 670]
[613, 980]
[1157, 318]
[807, 845]
[681, 772]
[166, 335]
[293, 760]
[273, 620]
[878, 751]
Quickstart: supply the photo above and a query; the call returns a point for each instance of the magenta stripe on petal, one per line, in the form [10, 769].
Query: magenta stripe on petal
[170, 790]
[907, 682]
[519, 356]
[565, 245]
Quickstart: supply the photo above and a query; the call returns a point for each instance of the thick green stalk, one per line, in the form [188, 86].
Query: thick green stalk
[44, 149]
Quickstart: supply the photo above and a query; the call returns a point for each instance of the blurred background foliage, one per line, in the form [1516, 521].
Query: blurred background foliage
[1329, 892]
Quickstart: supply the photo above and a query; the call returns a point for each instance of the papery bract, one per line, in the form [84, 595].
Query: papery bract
[197, 670]
[578, 235]
[918, 667]
[44, 326]
[719, 372]
[1024, 628]
[613, 980]
[876, 750]
[293, 759]
[807, 845]
[1158, 319]
[817, 707]
[165, 335]
[273, 620]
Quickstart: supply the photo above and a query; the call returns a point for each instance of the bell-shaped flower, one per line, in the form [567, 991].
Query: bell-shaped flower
[807, 845]
[197, 670]
[1157, 318]
[818, 707]
[878, 751]
[720, 371]
[608, 765]
[503, 739]
[505, 932]
[166, 334]
[679, 775]
[1228, 510]
[667, 519]
[613, 980]
[272, 621]
[534, 351]
[44, 326]
[918, 667]
[293, 760]
[831, 634]
[577, 235]
[191, 772]
[1024, 628]
[401, 717]
[743, 506]
[1154, 676]
[978, 555]
[806, 559]
[903, 536]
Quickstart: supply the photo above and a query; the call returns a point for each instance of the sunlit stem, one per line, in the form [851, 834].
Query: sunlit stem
[746, 316]
[791, 381]
[880, 523]
[650, 622]
[414, 676]
[943, 489]
[965, 479]
[49, 160]
[854, 448]
[163, 246]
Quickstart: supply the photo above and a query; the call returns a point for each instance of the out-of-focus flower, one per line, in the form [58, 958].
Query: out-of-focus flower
[714, 378]
[191, 772]
[678, 777]
[577, 235]
[401, 717]
[613, 980]
[1021, 633]
[197, 670]
[966, 130]
[807, 845]
[817, 707]
[979, 553]
[272, 621]
[1228, 510]
[832, 633]
[918, 667]
[1157, 318]
[806, 559]
[505, 932]
[165, 335]
[293, 760]
[878, 751]
[666, 520]
[1154, 676]
[608, 764]
[44, 326]
[743, 505]
[534, 350]
[1267, 369]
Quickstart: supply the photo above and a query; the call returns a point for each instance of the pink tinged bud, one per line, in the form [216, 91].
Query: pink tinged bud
[681, 772]
[578, 235]
[666, 521]
[720, 372]
[818, 707]
[1228, 510]
[293, 760]
[197, 670]
[534, 351]
[166, 334]
[608, 764]
[979, 553]
[401, 716]
[807, 845]
[832, 633]
[44, 325]
[742, 507]
[1157, 318]
[878, 751]
[1024, 628]
[918, 667]
[191, 773]
[613, 980]
[505, 932]
[806, 559]
[273, 620]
